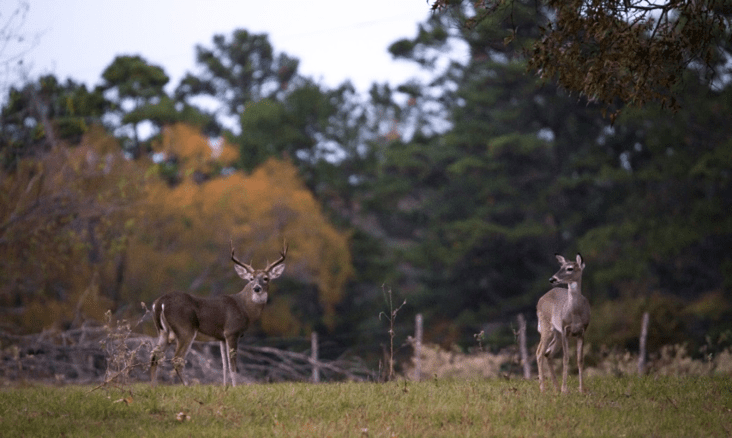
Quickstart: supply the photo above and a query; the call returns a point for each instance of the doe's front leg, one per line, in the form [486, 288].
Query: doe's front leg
[565, 362]
[580, 361]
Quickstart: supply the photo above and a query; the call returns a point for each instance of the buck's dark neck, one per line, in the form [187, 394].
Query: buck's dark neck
[244, 300]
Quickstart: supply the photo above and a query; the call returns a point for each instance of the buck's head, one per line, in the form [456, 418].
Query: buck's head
[569, 272]
[259, 279]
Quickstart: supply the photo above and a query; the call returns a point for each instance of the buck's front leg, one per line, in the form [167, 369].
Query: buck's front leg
[224, 359]
[231, 344]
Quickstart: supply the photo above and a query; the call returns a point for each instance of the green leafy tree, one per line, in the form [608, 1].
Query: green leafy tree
[238, 71]
[610, 50]
[478, 201]
[524, 171]
[39, 114]
[135, 87]
[667, 230]
[277, 112]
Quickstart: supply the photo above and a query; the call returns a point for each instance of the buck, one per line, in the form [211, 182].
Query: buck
[562, 313]
[180, 316]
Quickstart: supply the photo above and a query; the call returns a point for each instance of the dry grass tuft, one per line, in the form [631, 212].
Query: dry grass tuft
[671, 360]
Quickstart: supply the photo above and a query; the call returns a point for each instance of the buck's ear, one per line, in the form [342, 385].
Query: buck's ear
[561, 259]
[276, 271]
[580, 262]
[243, 273]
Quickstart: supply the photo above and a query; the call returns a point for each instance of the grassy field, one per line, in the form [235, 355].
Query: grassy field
[614, 407]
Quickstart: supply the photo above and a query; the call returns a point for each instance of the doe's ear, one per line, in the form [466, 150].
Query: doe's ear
[243, 273]
[561, 259]
[580, 262]
[276, 271]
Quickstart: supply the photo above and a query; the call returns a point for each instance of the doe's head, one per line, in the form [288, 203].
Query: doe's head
[569, 271]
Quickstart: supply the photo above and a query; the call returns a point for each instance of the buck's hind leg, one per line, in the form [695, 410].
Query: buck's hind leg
[181, 351]
[158, 354]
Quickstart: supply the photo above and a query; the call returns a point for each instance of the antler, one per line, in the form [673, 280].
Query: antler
[234, 259]
[283, 254]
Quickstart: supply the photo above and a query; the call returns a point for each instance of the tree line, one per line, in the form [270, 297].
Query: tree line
[453, 192]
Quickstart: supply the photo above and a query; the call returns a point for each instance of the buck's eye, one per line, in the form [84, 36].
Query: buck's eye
[570, 269]
[266, 279]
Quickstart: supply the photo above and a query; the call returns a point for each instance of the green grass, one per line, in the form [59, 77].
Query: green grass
[614, 407]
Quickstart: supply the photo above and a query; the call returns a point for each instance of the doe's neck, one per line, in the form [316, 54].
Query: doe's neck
[575, 287]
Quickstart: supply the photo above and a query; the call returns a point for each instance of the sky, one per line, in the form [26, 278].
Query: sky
[334, 40]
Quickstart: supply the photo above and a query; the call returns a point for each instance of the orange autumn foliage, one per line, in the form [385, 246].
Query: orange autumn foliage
[63, 228]
[84, 229]
[196, 152]
[184, 233]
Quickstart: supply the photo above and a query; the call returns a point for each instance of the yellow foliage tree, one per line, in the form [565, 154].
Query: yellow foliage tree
[195, 152]
[183, 239]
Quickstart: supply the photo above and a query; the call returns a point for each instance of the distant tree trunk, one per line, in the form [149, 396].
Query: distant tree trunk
[136, 147]
[418, 347]
[119, 277]
[522, 346]
[643, 338]
[314, 356]
[95, 251]
[42, 110]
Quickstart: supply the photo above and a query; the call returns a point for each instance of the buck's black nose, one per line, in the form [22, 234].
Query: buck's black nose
[257, 289]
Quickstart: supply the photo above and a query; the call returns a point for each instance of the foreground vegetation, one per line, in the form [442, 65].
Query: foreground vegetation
[626, 406]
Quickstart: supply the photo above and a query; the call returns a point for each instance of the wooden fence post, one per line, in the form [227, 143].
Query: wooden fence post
[522, 346]
[643, 339]
[314, 356]
[418, 347]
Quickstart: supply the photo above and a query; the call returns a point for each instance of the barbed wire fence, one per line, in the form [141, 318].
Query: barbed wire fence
[115, 354]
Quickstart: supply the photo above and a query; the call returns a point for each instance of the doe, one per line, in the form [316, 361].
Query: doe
[180, 316]
[562, 313]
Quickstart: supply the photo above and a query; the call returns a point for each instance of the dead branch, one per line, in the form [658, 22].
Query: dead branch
[92, 354]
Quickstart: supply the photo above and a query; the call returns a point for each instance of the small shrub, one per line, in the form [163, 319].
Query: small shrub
[122, 348]
[440, 363]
